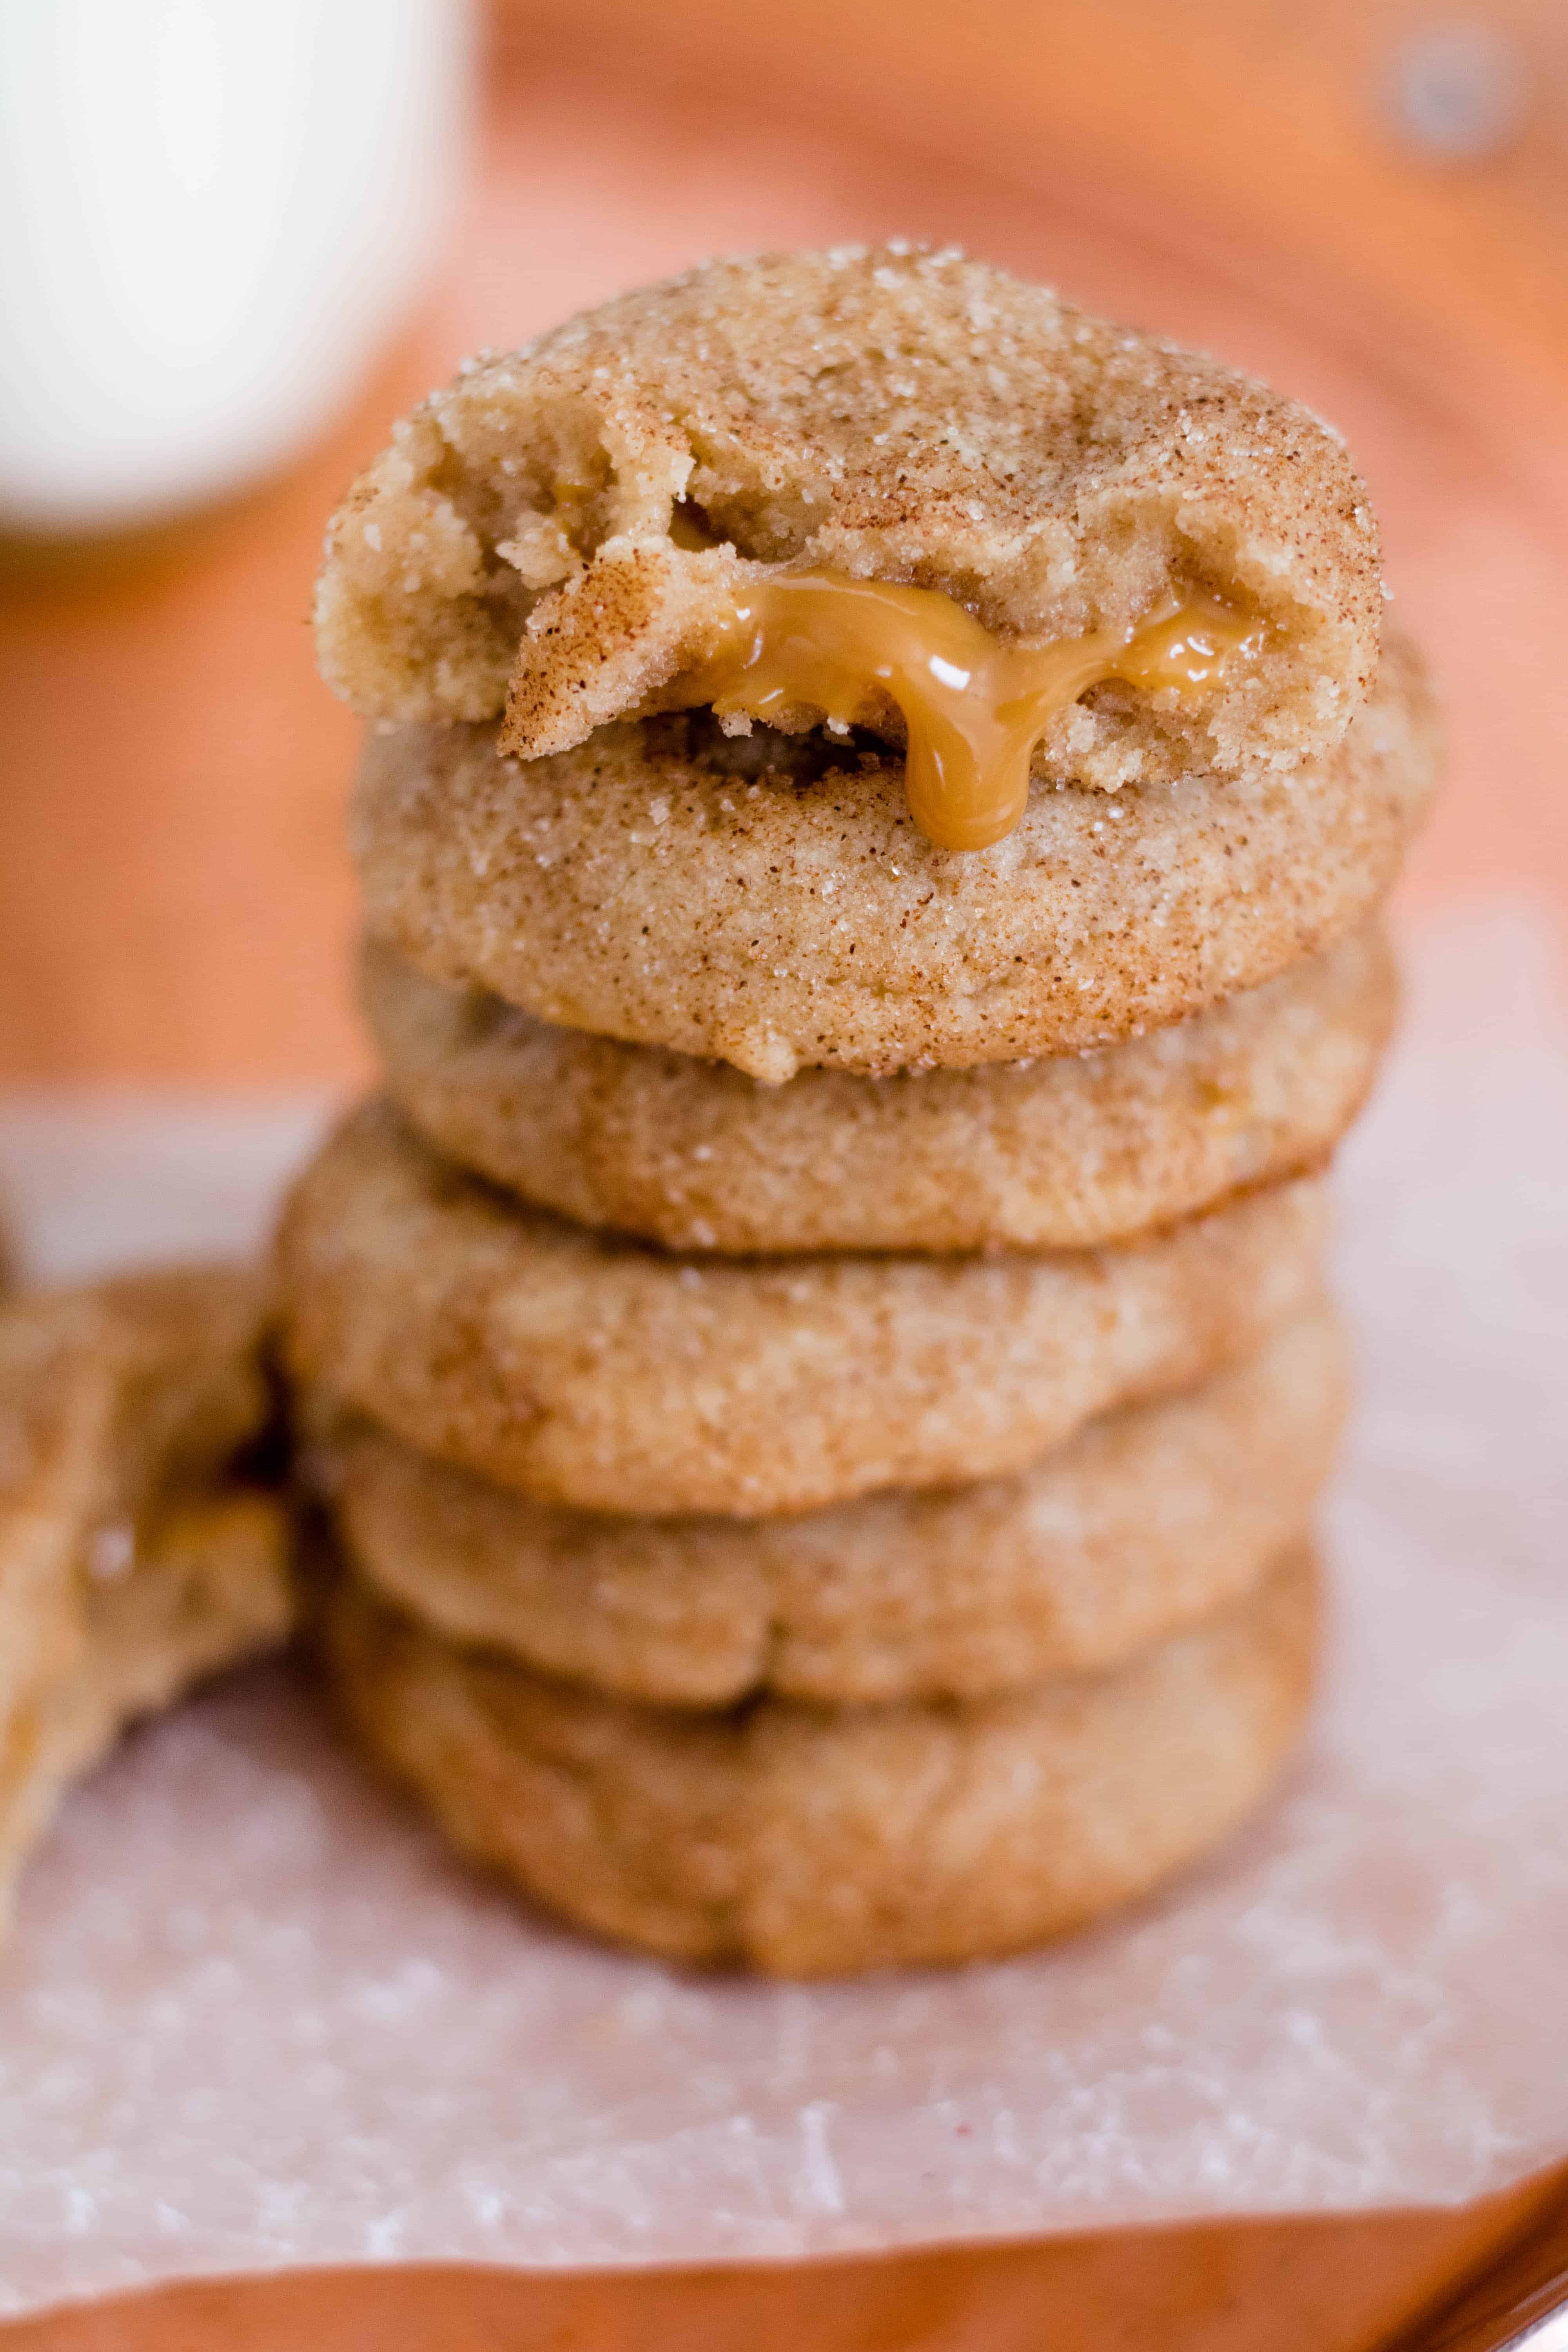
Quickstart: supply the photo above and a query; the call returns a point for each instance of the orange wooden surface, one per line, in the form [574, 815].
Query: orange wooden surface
[1293, 2287]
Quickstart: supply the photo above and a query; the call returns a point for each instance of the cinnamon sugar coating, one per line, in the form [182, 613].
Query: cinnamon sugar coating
[586, 1370]
[767, 901]
[809, 1841]
[1144, 1522]
[136, 1550]
[539, 534]
[1060, 1153]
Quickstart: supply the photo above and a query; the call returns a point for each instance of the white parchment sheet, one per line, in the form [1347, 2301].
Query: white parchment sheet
[254, 2016]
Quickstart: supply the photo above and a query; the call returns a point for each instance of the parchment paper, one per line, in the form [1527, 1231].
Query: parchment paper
[254, 2016]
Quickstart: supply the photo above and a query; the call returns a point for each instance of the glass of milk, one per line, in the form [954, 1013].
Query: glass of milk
[213, 213]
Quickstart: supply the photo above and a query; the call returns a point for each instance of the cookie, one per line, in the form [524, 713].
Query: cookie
[211, 1587]
[582, 1370]
[570, 529]
[769, 903]
[812, 1842]
[137, 1551]
[1062, 1153]
[1145, 1521]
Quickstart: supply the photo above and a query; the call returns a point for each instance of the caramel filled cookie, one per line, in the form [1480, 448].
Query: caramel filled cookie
[809, 1841]
[138, 1550]
[1061, 1153]
[582, 1370]
[599, 526]
[771, 904]
[1146, 1520]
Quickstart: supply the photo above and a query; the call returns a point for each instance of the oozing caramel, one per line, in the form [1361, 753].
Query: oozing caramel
[974, 706]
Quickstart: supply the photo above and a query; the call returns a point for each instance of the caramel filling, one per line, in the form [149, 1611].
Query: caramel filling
[974, 706]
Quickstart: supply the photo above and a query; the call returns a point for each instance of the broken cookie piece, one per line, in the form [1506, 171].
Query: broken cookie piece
[1172, 566]
[142, 1543]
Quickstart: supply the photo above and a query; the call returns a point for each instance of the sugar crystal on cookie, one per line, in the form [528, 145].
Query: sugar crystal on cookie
[589, 507]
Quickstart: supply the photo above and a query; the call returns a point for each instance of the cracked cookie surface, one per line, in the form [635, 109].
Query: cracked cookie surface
[1145, 1521]
[138, 1548]
[583, 1370]
[812, 1842]
[1064, 1152]
[563, 529]
[771, 904]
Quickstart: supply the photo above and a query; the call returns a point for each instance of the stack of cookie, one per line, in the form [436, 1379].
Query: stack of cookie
[878, 797]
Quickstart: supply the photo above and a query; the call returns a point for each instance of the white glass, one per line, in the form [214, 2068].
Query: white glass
[212, 215]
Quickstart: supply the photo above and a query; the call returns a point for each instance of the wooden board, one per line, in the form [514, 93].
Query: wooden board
[1293, 2287]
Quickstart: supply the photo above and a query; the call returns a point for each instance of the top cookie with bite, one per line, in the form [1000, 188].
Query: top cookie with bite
[564, 532]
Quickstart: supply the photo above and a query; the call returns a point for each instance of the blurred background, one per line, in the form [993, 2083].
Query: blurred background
[234, 243]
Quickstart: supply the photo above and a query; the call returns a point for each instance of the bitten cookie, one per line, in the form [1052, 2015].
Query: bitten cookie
[137, 1551]
[1147, 1519]
[586, 1370]
[810, 1842]
[1063, 1153]
[769, 902]
[571, 524]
